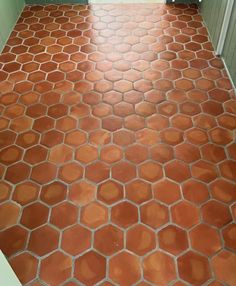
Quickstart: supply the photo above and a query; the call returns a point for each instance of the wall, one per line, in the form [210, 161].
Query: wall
[9, 13]
[229, 51]
[213, 15]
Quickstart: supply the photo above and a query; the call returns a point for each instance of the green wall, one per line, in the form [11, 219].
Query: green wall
[9, 13]
[229, 51]
[213, 15]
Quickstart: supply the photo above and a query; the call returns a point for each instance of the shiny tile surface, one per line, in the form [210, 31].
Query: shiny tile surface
[117, 136]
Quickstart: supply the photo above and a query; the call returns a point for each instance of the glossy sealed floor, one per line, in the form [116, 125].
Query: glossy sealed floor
[118, 153]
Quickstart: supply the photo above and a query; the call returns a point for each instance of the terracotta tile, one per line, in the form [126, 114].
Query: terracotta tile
[10, 155]
[195, 191]
[92, 98]
[36, 110]
[167, 108]
[56, 268]
[204, 171]
[230, 106]
[52, 138]
[223, 265]
[124, 269]
[136, 153]
[34, 215]
[94, 215]
[100, 137]
[177, 171]
[70, 283]
[17, 173]
[79, 110]
[124, 214]
[159, 268]
[194, 268]
[219, 95]
[66, 123]
[123, 137]
[123, 171]
[140, 240]
[43, 173]
[90, 268]
[154, 214]
[9, 214]
[227, 121]
[76, 240]
[205, 239]
[216, 213]
[161, 153]
[70, 172]
[89, 123]
[63, 215]
[150, 171]
[223, 191]
[102, 110]
[43, 124]
[103, 86]
[187, 152]
[154, 96]
[50, 98]
[25, 266]
[171, 136]
[147, 136]
[229, 236]
[53, 193]
[106, 284]
[215, 283]
[196, 136]
[138, 191]
[43, 240]
[123, 109]
[220, 136]
[35, 155]
[227, 169]
[111, 154]
[5, 190]
[110, 192]
[97, 172]
[204, 121]
[108, 240]
[182, 122]
[133, 96]
[179, 214]
[166, 191]
[57, 110]
[86, 154]
[14, 111]
[82, 193]
[75, 138]
[213, 153]
[134, 122]
[25, 193]
[13, 240]
[173, 239]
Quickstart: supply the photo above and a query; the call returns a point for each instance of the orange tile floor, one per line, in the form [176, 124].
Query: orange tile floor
[118, 153]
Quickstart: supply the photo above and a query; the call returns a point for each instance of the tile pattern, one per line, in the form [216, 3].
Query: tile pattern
[117, 148]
